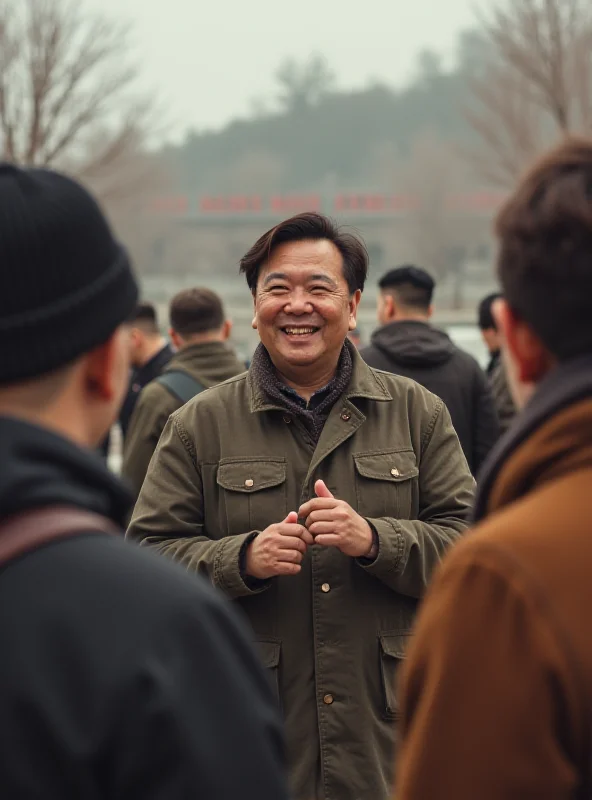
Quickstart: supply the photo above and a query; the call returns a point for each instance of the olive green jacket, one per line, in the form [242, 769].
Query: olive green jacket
[209, 363]
[229, 464]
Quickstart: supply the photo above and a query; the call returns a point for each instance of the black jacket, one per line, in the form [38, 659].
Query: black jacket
[426, 354]
[121, 676]
[140, 377]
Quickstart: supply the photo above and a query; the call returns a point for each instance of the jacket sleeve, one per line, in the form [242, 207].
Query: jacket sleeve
[482, 692]
[169, 516]
[145, 427]
[409, 550]
[197, 717]
[487, 428]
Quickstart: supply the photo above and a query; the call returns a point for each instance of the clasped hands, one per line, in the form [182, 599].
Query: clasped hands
[328, 522]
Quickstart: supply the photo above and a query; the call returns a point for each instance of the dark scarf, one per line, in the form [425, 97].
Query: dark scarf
[314, 413]
[567, 384]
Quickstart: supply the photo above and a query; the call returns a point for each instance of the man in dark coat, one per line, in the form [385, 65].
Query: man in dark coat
[120, 676]
[496, 371]
[407, 344]
[150, 354]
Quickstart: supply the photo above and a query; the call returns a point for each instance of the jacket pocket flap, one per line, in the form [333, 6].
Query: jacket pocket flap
[394, 644]
[269, 652]
[395, 466]
[251, 475]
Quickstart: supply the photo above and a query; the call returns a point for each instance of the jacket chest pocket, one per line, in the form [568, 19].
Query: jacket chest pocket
[387, 484]
[254, 493]
[392, 655]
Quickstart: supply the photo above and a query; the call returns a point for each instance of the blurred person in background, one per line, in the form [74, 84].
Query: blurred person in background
[150, 353]
[199, 332]
[496, 371]
[120, 676]
[320, 495]
[497, 693]
[408, 344]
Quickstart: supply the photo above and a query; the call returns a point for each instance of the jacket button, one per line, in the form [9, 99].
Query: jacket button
[249, 483]
[345, 415]
[287, 419]
[395, 472]
[328, 699]
[325, 588]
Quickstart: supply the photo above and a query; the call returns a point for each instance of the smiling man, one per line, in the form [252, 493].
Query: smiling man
[319, 494]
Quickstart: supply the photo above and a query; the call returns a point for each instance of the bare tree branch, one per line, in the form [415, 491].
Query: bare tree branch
[538, 84]
[67, 94]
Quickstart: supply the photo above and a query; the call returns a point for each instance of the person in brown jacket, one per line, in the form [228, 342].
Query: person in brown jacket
[497, 690]
[199, 331]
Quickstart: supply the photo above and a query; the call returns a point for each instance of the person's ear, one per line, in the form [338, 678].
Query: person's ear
[354, 302]
[530, 356]
[226, 329]
[101, 372]
[430, 311]
[176, 340]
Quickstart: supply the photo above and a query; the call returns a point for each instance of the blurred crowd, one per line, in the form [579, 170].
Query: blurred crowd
[336, 572]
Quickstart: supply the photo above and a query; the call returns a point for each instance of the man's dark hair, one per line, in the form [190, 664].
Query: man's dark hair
[309, 226]
[196, 311]
[486, 319]
[545, 254]
[145, 316]
[413, 286]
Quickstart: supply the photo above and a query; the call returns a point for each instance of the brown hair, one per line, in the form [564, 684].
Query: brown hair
[196, 311]
[313, 226]
[545, 255]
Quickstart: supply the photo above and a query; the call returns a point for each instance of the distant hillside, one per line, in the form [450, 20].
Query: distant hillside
[319, 137]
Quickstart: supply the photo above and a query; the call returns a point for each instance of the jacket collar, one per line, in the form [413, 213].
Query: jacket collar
[365, 382]
[556, 422]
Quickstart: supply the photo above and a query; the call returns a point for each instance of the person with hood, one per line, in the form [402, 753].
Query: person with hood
[497, 691]
[408, 344]
[200, 332]
[121, 676]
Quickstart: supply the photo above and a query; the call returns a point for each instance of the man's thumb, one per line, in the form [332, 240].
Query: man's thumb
[292, 518]
[322, 491]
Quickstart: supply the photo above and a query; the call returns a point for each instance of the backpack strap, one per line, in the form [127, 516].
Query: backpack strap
[25, 532]
[180, 384]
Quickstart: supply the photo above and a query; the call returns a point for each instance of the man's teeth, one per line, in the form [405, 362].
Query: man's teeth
[299, 331]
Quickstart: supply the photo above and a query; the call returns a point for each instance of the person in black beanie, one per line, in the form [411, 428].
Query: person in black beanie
[121, 675]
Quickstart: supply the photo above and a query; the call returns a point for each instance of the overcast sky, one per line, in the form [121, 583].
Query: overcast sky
[207, 59]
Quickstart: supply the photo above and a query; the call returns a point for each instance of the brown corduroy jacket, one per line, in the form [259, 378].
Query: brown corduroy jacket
[497, 689]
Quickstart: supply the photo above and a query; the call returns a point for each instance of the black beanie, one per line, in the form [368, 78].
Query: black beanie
[65, 282]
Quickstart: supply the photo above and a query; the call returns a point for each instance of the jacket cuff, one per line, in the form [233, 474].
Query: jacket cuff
[228, 574]
[390, 560]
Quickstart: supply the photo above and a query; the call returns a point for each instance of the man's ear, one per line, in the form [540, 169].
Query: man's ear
[176, 340]
[430, 311]
[99, 369]
[227, 329]
[354, 302]
[529, 354]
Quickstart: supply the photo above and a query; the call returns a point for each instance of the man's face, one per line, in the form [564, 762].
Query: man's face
[492, 340]
[137, 343]
[303, 307]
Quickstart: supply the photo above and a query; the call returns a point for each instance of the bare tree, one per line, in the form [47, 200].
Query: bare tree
[67, 95]
[304, 85]
[537, 85]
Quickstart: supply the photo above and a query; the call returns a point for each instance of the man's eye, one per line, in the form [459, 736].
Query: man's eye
[318, 289]
[278, 288]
